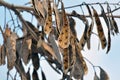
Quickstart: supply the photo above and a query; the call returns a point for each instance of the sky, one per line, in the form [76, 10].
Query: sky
[109, 62]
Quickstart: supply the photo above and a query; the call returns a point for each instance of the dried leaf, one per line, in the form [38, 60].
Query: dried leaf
[32, 33]
[96, 77]
[35, 61]
[20, 69]
[25, 52]
[29, 43]
[82, 60]
[32, 27]
[45, 5]
[18, 47]
[78, 71]
[51, 39]
[38, 7]
[80, 67]
[64, 37]
[56, 33]
[7, 32]
[103, 75]
[35, 75]
[43, 75]
[39, 43]
[35, 49]
[11, 50]
[48, 22]
[49, 49]
[100, 29]
[3, 54]
[23, 77]
[40, 20]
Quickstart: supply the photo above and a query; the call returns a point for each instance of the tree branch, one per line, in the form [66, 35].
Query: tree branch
[10, 6]
[105, 3]
[115, 16]
[5, 4]
[14, 9]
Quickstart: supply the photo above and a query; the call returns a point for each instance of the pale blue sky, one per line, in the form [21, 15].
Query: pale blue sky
[109, 62]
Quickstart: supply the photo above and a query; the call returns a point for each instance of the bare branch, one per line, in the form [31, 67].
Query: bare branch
[61, 48]
[10, 6]
[14, 9]
[115, 16]
[3, 3]
[105, 3]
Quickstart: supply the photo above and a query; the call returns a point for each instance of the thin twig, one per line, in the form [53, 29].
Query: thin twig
[15, 75]
[91, 64]
[4, 17]
[12, 20]
[11, 76]
[115, 9]
[24, 23]
[8, 74]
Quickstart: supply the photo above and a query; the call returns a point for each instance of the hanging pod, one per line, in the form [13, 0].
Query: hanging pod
[100, 29]
[64, 36]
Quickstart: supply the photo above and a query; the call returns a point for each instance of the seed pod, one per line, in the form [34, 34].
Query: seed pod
[48, 22]
[64, 37]
[100, 29]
